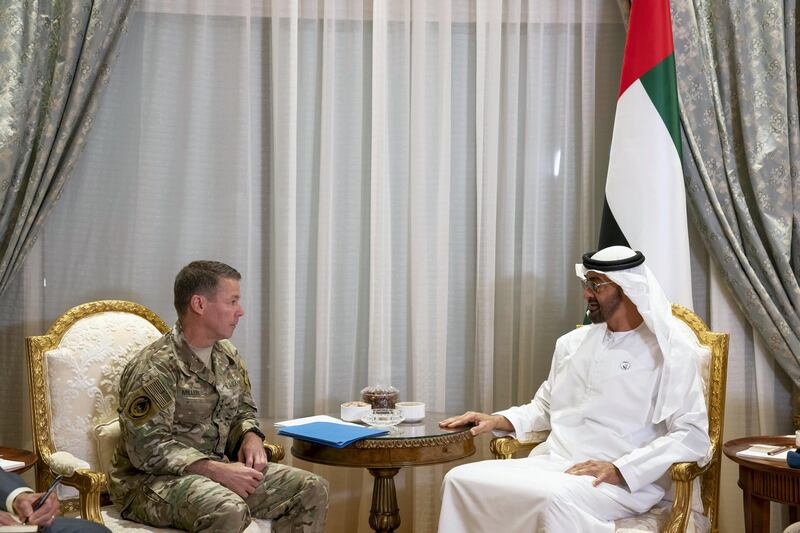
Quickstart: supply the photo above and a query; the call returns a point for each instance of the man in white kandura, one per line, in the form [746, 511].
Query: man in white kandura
[623, 401]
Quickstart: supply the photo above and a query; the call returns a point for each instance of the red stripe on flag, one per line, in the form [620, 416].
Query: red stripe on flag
[649, 39]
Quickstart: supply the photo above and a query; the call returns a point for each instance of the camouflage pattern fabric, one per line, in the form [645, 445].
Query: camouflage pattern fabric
[174, 411]
[295, 501]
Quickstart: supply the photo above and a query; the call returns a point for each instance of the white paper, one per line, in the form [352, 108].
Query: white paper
[759, 451]
[309, 419]
[9, 465]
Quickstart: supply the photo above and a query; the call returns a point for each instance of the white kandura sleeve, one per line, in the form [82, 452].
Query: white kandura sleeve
[686, 438]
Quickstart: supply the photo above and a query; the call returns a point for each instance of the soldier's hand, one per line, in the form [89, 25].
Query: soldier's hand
[603, 471]
[241, 479]
[482, 421]
[252, 453]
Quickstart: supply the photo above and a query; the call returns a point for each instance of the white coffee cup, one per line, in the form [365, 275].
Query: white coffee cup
[353, 411]
[412, 411]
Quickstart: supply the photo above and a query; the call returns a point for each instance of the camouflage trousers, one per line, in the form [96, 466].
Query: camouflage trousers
[294, 499]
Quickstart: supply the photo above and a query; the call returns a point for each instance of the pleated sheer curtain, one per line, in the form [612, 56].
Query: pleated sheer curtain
[758, 399]
[404, 185]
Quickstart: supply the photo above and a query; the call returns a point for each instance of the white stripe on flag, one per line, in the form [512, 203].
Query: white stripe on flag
[646, 194]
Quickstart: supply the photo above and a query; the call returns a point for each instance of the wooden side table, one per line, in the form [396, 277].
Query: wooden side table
[18, 454]
[763, 481]
[408, 445]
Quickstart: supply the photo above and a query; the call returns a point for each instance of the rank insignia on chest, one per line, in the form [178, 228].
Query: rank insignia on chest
[625, 365]
[245, 377]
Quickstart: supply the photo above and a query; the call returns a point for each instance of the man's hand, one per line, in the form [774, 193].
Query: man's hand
[7, 519]
[252, 453]
[482, 421]
[603, 471]
[239, 478]
[43, 516]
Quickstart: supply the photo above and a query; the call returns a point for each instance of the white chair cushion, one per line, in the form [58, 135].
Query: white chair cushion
[115, 522]
[65, 464]
[106, 438]
[655, 520]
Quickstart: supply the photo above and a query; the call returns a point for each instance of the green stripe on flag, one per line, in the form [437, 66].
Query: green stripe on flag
[661, 86]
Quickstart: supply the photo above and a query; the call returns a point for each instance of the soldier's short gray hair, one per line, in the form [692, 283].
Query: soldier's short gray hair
[200, 277]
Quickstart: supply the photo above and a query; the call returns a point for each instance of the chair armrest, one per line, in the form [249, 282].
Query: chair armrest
[90, 486]
[506, 447]
[275, 453]
[687, 471]
[683, 476]
[64, 463]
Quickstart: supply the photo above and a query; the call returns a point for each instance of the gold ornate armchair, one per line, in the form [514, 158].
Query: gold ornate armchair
[73, 372]
[677, 515]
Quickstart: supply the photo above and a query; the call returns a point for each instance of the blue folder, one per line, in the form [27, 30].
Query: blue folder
[331, 434]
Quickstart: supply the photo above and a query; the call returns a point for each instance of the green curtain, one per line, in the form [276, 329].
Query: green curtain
[737, 81]
[55, 58]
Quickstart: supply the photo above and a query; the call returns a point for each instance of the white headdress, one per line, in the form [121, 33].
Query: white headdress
[678, 344]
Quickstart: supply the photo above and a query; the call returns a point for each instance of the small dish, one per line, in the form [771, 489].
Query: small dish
[411, 411]
[383, 418]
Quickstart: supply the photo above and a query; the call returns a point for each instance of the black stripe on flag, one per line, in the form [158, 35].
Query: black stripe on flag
[610, 233]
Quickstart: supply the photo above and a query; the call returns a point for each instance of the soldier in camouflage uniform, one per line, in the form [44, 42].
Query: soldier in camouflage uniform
[191, 453]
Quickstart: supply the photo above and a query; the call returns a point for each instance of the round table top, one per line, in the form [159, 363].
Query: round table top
[407, 444]
[17, 454]
[426, 428]
[731, 447]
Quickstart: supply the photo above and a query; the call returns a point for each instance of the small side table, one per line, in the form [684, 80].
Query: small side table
[763, 481]
[419, 444]
[18, 454]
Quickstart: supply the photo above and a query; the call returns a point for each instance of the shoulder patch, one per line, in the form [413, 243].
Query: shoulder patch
[143, 404]
[156, 391]
[140, 408]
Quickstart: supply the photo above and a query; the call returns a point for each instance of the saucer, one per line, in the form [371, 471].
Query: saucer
[382, 418]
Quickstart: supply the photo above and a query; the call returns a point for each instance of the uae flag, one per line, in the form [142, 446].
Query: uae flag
[645, 205]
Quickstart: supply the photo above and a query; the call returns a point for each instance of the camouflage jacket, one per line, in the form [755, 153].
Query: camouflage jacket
[174, 411]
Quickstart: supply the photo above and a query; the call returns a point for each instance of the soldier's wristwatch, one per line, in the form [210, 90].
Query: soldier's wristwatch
[257, 432]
